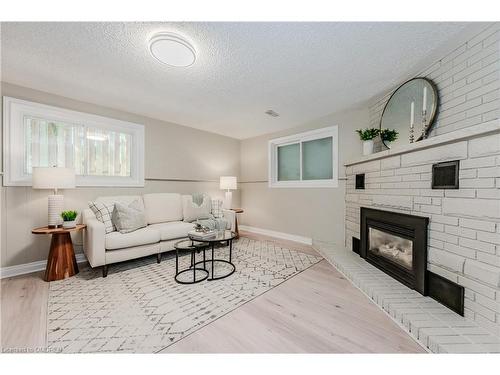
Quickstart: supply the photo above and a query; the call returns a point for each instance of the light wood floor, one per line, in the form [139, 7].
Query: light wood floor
[317, 311]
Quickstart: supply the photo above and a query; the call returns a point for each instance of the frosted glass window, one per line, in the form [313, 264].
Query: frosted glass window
[304, 160]
[289, 162]
[108, 153]
[90, 151]
[103, 151]
[317, 159]
[53, 144]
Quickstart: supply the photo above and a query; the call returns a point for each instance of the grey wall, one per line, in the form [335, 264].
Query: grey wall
[173, 152]
[313, 212]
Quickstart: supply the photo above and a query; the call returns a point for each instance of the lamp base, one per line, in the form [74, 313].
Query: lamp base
[228, 201]
[56, 206]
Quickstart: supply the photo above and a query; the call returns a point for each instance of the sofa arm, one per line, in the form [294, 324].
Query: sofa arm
[230, 216]
[93, 240]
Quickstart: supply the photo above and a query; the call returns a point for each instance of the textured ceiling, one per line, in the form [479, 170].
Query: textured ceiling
[301, 70]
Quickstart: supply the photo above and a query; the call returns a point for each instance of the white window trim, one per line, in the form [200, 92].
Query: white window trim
[14, 111]
[331, 131]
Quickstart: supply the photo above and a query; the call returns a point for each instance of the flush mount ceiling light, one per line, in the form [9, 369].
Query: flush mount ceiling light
[272, 113]
[171, 49]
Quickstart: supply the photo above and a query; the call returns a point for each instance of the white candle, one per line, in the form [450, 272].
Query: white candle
[424, 108]
[412, 114]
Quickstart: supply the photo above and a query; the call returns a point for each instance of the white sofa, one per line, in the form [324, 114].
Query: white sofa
[164, 215]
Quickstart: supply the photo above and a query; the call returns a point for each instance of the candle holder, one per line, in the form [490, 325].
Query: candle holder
[425, 125]
[412, 135]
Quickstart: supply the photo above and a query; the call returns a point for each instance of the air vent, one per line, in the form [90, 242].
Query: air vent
[446, 175]
[272, 113]
[360, 181]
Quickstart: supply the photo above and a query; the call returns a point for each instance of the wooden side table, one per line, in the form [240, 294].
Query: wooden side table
[237, 211]
[61, 262]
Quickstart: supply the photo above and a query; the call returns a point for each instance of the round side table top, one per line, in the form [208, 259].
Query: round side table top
[47, 230]
[225, 235]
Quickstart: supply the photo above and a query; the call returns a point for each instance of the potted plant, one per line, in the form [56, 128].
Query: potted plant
[388, 136]
[367, 136]
[69, 219]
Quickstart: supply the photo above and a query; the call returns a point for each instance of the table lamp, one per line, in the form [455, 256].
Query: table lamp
[228, 183]
[54, 178]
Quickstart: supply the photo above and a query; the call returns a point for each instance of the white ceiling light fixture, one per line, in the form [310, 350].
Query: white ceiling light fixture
[272, 113]
[171, 49]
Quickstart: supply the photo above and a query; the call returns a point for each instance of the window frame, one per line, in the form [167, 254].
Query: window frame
[273, 144]
[14, 112]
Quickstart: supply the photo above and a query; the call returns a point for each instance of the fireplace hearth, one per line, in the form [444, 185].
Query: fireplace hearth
[397, 244]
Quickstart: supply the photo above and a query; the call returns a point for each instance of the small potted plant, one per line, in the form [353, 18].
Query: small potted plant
[69, 219]
[367, 136]
[388, 136]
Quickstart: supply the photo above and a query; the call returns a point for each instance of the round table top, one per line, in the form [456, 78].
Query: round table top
[60, 230]
[189, 245]
[218, 236]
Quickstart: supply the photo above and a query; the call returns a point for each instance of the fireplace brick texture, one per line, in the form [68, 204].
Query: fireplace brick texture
[464, 230]
[468, 84]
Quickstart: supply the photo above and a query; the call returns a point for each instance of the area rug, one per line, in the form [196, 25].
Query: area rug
[139, 308]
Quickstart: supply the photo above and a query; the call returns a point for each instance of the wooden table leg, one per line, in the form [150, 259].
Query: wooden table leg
[62, 261]
[236, 230]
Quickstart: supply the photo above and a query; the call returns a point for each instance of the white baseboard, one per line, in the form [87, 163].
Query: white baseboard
[25, 268]
[272, 233]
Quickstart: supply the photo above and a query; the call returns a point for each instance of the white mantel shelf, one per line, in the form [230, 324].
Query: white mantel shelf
[452, 137]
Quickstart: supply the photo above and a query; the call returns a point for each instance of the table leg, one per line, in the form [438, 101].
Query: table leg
[230, 250]
[176, 261]
[193, 261]
[213, 244]
[236, 230]
[61, 262]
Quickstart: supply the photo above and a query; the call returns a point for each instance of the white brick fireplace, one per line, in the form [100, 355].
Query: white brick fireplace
[464, 225]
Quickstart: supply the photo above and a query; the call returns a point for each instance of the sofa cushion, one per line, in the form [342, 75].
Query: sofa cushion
[173, 229]
[162, 207]
[143, 236]
[124, 199]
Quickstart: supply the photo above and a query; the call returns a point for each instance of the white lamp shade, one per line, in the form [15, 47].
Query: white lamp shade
[228, 183]
[53, 178]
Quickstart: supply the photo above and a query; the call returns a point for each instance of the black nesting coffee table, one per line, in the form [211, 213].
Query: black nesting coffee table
[193, 247]
[220, 237]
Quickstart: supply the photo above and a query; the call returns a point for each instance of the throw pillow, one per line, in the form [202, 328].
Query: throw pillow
[193, 211]
[103, 213]
[128, 218]
[217, 208]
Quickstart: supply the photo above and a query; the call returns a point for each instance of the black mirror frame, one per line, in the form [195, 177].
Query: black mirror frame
[432, 115]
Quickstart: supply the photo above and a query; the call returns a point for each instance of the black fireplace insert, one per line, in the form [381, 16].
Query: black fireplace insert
[397, 244]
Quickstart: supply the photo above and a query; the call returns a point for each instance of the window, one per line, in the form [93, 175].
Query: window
[304, 160]
[103, 151]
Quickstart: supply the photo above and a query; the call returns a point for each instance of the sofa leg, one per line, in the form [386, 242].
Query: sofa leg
[104, 271]
[158, 258]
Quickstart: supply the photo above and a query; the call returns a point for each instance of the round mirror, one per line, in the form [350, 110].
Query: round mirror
[410, 111]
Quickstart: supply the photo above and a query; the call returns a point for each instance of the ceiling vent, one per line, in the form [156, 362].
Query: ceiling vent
[272, 113]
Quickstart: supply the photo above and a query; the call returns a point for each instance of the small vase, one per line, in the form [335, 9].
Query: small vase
[69, 224]
[368, 147]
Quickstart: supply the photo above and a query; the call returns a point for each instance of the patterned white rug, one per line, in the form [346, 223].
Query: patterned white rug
[140, 308]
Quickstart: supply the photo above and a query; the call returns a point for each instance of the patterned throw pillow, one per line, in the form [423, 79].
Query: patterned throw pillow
[217, 208]
[103, 212]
